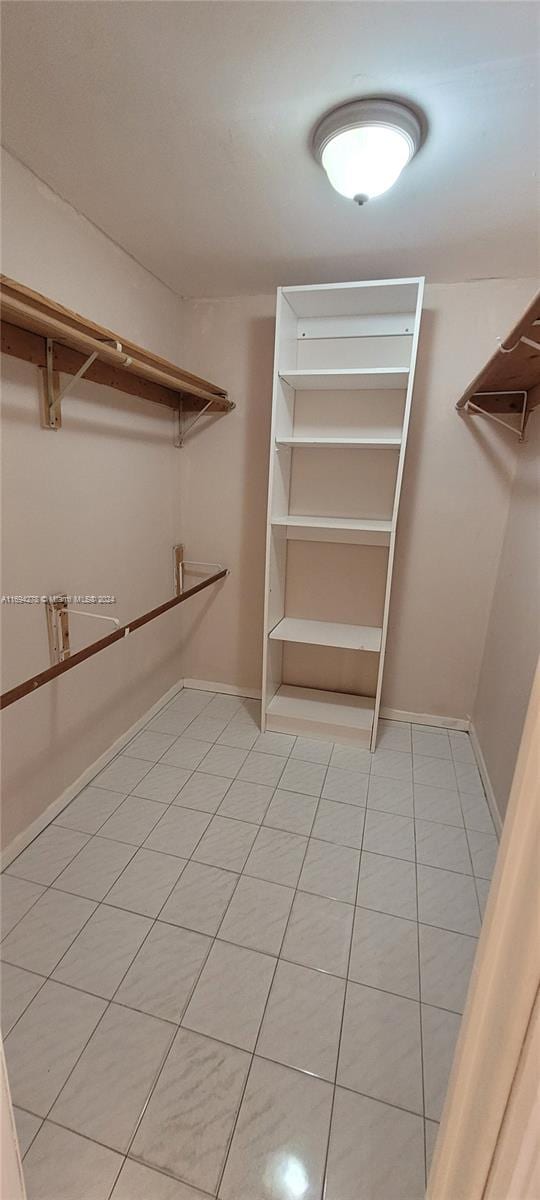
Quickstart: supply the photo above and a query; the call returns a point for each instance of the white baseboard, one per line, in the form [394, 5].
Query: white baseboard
[484, 773]
[230, 689]
[57, 806]
[397, 714]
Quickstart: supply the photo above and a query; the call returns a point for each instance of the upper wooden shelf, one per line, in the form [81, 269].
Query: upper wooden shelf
[510, 381]
[29, 319]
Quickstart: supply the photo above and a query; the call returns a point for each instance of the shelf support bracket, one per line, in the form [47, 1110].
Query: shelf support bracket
[178, 561]
[53, 394]
[57, 629]
[180, 427]
[519, 430]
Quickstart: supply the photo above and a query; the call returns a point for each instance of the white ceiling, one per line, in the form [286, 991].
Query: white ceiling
[182, 130]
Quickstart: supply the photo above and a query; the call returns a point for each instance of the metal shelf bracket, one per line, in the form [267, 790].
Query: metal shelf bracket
[53, 394]
[180, 426]
[520, 407]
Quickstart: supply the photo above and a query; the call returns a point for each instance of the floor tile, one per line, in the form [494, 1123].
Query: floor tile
[350, 758]
[302, 1022]
[191, 700]
[292, 812]
[178, 831]
[350, 787]
[434, 744]
[468, 778]
[390, 795]
[262, 768]
[304, 777]
[229, 999]
[385, 953]
[206, 727]
[274, 743]
[381, 1146]
[147, 882]
[380, 1053]
[461, 747]
[161, 977]
[246, 801]
[18, 989]
[90, 809]
[439, 1033]
[137, 1182]
[170, 721]
[223, 760]
[226, 843]
[203, 792]
[59, 1166]
[46, 1042]
[444, 846]
[434, 772]
[386, 833]
[123, 774]
[162, 783]
[319, 933]
[312, 750]
[394, 735]
[105, 1095]
[187, 752]
[432, 1129]
[190, 1117]
[240, 735]
[340, 823]
[257, 915]
[388, 885]
[476, 814]
[282, 1128]
[447, 900]
[392, 764]
[446, 961]
[150, 745]
[47, 855]
[17, 897]
[27, 1126]
[437, 804]
[200, 898]
[94, 870]
[330, 870]
[484, 849]
[482, 888]
[44, 934]
[226, 706]
[277, 856]
[133, 820]
[103, 951]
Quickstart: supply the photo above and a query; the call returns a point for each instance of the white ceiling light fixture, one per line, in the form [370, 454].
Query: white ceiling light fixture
[364, 146]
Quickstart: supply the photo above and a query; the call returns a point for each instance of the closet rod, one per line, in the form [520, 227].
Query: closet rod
[37, 681]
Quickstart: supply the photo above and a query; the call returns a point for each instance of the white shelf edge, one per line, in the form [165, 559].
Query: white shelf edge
[327, 633]
[350, 378]
[390, 443]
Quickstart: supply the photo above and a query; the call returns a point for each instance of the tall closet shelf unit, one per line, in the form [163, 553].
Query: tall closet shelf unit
[345, 358]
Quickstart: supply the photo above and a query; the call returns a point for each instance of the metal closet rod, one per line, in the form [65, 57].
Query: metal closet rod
[37, 681]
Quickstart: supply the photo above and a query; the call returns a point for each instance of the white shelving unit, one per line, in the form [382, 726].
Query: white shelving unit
[343, 380]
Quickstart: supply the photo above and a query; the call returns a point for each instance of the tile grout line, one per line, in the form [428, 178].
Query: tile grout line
[421, 1031]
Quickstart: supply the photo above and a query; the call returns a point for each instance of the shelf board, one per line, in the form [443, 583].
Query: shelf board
[359, 530]
[334, 715]
[327, 633]
[372, 443]
[29, 319]
[348, 379]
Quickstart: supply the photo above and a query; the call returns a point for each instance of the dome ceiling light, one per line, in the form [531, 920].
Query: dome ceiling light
[364, 146]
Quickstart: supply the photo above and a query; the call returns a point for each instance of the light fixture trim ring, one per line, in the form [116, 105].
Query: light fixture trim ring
[358, 113]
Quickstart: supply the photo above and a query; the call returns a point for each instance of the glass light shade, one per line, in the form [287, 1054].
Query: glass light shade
[366, 161]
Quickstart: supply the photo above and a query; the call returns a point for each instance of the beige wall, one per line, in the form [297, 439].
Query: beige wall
[513, 637]
[92, 508]
[456, 489]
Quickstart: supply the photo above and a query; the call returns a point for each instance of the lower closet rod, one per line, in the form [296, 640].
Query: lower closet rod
[37, 681]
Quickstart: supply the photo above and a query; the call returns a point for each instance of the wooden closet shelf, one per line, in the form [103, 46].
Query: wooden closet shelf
[509, 383]
[29, 319]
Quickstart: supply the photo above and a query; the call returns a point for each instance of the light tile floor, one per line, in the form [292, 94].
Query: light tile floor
[234, 966]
